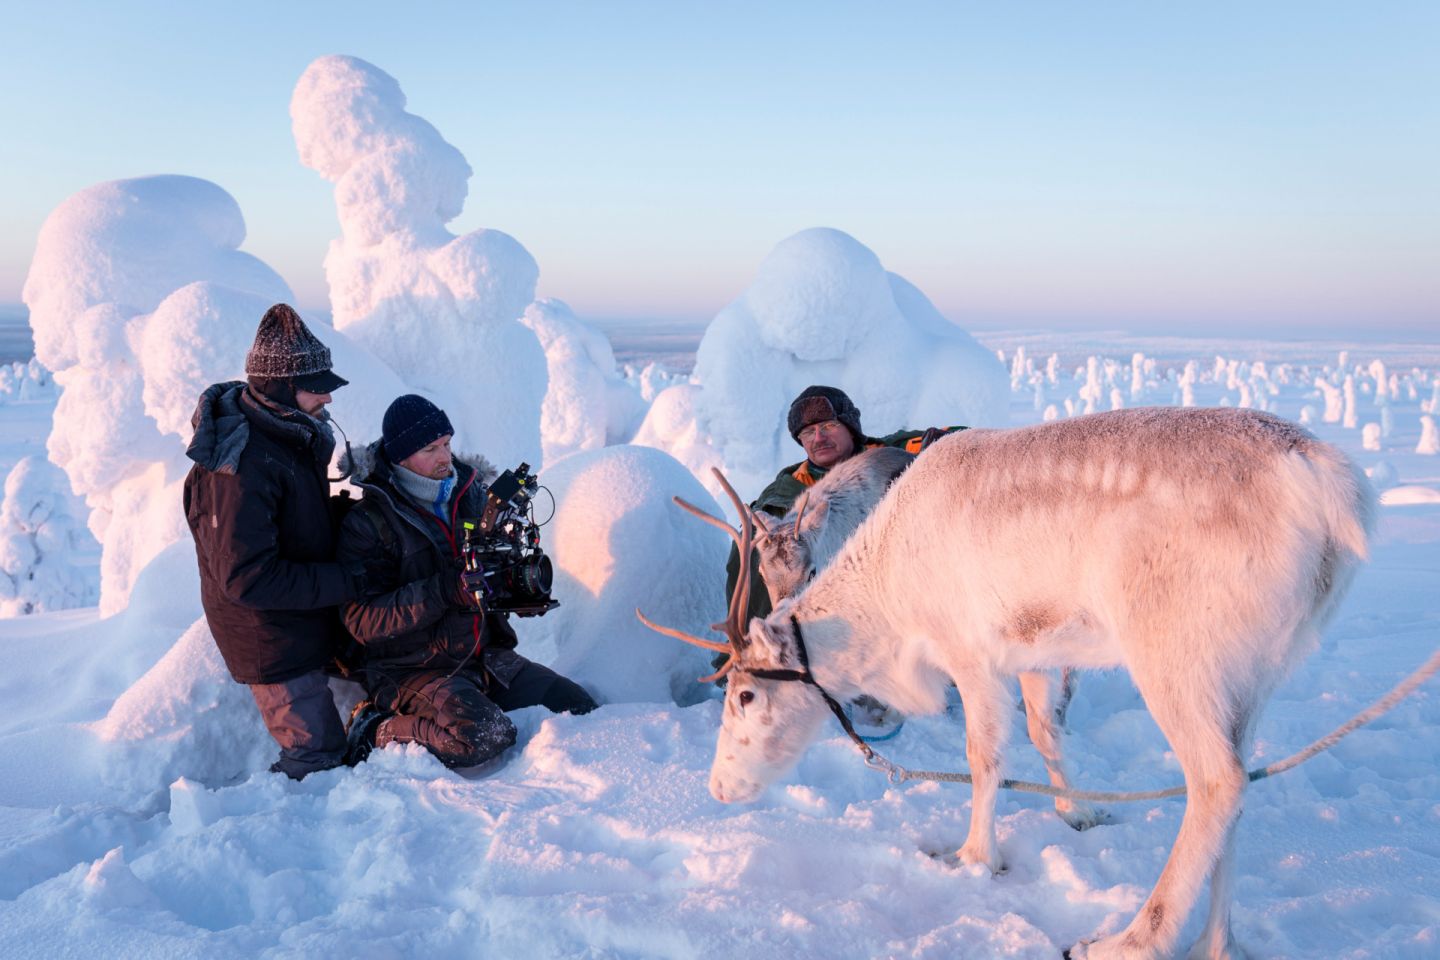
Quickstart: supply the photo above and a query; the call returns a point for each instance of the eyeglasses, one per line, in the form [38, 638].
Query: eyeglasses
[816, 429]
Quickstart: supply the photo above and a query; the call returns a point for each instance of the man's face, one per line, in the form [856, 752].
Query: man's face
[311, 403]
[432, 460]
[827, 443]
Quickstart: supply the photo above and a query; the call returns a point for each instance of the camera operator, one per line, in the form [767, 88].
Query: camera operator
[439, 668]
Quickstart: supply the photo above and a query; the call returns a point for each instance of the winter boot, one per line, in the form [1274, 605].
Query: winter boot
[360, 738]
[874, 720]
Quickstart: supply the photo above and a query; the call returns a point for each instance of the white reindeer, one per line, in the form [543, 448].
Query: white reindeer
[1202, 549]
[794, 548]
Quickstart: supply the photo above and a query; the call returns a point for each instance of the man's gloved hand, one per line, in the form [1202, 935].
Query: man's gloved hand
[931, 435]
[368, 577]
[469, 587]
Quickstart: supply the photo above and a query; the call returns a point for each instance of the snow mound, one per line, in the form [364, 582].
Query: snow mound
[185, 717]
[588, 404]
[618, 543]
[1408, 495]
[442, 310]
[822, 309]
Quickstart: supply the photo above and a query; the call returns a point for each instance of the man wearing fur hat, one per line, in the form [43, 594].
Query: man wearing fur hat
[257, 502]
[440, 669]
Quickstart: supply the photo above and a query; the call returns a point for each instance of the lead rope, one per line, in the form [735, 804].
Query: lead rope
[897, 774]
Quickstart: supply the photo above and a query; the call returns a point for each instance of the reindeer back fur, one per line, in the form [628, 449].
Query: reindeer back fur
[1112, 539]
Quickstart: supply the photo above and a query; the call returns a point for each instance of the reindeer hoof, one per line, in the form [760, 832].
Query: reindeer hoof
[1083, 816]
[1208, 949]
[990, 859]
[1109, 948]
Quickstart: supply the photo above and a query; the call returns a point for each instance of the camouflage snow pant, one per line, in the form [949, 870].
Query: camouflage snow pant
[460, 717]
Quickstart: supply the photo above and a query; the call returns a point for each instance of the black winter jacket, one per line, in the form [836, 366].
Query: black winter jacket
[257, 503]
[417, 622]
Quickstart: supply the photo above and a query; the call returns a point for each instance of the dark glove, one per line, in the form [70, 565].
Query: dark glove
[469, 587]
[368, 577]
[931, 435]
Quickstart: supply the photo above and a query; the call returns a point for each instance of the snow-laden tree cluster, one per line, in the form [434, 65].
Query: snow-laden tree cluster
[1363, 396]
[588, 404]
[139, 297]
[25, 382]
[444, 311]
[47, 557]
[822, 309]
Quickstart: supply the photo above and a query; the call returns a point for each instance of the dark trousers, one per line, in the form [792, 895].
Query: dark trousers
[461, 718]
[301, 717]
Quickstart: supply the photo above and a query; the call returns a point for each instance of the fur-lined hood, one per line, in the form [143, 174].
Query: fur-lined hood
[360, 462]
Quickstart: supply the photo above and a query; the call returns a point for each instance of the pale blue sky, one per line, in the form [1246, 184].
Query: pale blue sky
[1222, 166]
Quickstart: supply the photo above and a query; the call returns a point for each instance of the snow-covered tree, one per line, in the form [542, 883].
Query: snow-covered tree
[47, 557]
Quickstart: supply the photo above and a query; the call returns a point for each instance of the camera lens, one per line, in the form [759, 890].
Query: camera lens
[535, 576]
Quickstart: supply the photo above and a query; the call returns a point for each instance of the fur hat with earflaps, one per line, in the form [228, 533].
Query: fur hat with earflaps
[285, 349]
[820, 403]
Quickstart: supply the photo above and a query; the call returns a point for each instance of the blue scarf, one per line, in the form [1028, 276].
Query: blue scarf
[434, 494]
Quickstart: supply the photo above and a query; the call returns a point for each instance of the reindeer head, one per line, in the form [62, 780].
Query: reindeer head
[786, 558]
[767, 723]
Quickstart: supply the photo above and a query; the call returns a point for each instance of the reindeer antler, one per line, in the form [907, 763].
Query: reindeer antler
[682, 635]
[800, 510]
[734, 623]
[711, 519]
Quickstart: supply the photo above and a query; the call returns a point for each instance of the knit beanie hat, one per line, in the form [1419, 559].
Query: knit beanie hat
[818, 404]
[412, 422]
[285, 349]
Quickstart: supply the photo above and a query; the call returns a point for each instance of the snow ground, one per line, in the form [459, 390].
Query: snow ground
[596, 836]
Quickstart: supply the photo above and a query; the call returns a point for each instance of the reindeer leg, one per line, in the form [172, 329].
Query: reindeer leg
[1046, 698]
[1215, 784]
[984, 698]
[1216, 941]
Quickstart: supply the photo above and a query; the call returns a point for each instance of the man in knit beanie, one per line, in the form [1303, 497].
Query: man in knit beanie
[287, 361]
[257, 502]
[440, 668]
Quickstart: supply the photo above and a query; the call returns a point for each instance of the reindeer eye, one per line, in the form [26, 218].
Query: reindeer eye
[747, 697]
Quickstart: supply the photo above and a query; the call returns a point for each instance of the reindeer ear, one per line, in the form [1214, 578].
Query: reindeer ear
[760, 638]
[814, 517]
